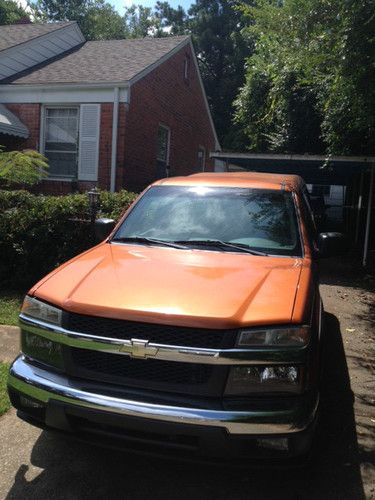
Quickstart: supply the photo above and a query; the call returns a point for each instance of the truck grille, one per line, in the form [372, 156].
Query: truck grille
[126, 368]
[156, 333]
[147, 374]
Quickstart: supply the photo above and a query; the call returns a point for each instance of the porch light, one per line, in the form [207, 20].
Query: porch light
[94, 196]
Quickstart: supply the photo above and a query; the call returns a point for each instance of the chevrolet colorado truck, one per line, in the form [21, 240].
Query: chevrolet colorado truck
[194, 328]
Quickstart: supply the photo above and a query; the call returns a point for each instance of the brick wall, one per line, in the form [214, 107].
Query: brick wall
[165, 97]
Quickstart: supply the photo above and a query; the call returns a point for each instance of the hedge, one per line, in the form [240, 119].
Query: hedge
[38, 233]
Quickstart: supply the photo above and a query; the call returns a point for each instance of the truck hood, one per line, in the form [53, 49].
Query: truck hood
[195, 288]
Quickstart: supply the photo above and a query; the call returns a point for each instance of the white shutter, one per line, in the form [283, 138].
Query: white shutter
[89, 125]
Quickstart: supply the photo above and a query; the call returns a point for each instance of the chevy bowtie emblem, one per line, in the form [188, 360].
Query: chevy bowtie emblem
[138, 348]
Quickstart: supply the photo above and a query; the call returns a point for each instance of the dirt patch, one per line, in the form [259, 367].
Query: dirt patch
[348, 293]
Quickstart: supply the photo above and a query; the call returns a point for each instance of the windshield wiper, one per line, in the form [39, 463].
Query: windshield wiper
[147, 241]
[222, 244]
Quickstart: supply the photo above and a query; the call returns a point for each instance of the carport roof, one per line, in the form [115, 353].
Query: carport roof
[315, 169]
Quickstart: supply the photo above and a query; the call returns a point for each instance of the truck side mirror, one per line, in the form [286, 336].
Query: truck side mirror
[103, 228]
[332, 244]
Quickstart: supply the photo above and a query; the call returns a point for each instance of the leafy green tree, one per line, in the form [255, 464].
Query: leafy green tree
[22, 167]
[172, 21]
[11, 12]
[142, 21]
[60, 10]
[97, 19]
[308, 84]
[102, 22]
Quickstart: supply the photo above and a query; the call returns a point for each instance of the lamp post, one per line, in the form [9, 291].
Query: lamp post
[93, 195]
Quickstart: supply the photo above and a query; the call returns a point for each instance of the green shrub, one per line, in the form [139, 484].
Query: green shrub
[22, 167]
[38, 233]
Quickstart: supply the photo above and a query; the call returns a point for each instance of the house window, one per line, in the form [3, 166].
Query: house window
[162, 154]
[163, 144]
[186, 67]
[201, 159]
[61, 141]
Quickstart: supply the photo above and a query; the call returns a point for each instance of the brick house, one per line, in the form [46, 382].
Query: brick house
[116, 113]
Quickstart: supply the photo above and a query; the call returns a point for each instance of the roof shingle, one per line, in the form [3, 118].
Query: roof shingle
[15, 34]
[100, 61]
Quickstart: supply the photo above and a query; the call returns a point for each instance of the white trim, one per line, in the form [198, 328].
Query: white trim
[64, 94]
[217, 143]
[62, 86]
[168, 129]
[115, 114]
[61, 179]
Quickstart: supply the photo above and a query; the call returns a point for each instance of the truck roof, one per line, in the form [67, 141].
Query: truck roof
[237, 179]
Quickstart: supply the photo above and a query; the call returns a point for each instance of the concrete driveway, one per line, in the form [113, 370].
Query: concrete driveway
[41, 465]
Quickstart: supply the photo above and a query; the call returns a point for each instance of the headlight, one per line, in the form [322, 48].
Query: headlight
[264, 337]
[246, 380]
[34, 308]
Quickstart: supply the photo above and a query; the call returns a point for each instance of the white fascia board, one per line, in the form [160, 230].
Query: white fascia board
[68, 93]
[217, 143]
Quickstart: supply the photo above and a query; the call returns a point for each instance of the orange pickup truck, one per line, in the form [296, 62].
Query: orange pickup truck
[194, 328]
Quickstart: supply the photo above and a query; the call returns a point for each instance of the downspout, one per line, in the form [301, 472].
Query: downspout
[116, 98]
[368, 219]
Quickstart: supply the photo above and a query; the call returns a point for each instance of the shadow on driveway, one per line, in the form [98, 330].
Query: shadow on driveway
[74, 470]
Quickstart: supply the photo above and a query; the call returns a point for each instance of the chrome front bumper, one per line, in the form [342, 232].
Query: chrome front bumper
[44, 386]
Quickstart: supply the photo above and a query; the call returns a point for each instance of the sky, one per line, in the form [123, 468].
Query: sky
[120, 4]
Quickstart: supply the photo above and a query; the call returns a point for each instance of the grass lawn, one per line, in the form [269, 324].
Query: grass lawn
[4, 400]
[10, 303]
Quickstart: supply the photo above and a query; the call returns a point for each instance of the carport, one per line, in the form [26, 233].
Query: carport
[356, 173]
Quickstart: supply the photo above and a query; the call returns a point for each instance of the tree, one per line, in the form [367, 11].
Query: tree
[97, 19]
[22, 167]
[102, 22]
[172, 21]
[11, 12]
[308, 84]
[141, 21]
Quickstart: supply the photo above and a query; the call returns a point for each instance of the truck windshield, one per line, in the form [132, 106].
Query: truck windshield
[223, 218]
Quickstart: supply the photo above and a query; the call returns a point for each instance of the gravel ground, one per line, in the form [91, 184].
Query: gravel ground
[41, 465]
